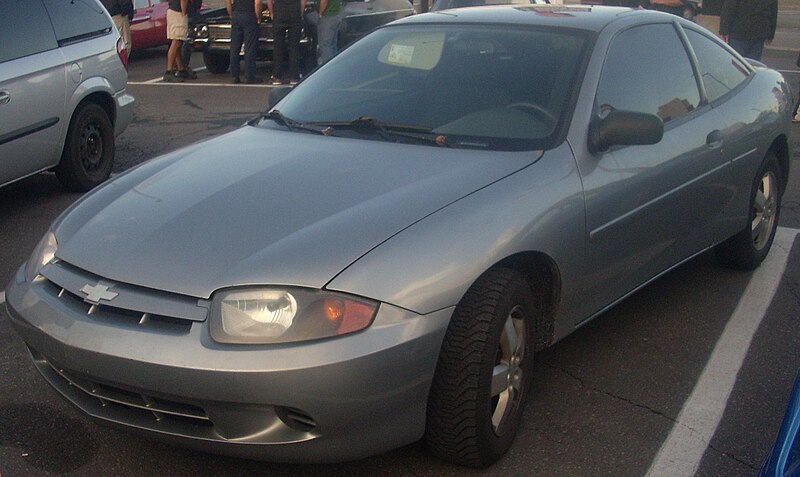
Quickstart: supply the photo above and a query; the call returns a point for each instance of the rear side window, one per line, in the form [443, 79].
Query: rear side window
[648, 70]
[75, 20]
[24, 29]
[722, 72]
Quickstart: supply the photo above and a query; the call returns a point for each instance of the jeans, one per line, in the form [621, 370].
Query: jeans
[283, 45]
[328, 36]
[244, 29]
[748, 48]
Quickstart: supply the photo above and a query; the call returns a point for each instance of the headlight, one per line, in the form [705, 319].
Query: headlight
[44, 252]
[285, 315]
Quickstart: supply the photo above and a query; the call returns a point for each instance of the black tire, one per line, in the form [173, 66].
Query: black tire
[748, 248]
[89, 149]
[467, 423]
[216, 63]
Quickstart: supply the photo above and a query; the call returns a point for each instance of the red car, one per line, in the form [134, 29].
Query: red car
[149, 24]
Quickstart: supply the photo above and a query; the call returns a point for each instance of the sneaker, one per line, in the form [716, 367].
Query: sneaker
[190, 73]
[275, 81]
[293, 82]
[181, 75]
[235, 80]
[170, 77]
[253, 80]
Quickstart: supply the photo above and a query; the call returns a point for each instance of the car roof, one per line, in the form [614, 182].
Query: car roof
[584, 17]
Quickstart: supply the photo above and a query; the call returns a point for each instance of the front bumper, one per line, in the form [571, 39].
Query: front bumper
[125, 103]
[323, 401]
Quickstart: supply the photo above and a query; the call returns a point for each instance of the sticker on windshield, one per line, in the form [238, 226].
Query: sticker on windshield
[401, 54]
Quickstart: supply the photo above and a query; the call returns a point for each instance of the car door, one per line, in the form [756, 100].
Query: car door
[740, 115]
[142, 24]
[32, 91]
[649, 207]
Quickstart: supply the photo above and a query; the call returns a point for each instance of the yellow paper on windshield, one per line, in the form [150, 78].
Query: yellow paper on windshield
[420, 52]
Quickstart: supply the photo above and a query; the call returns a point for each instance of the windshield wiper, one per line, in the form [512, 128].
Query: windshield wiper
[388, 132]
[290, 124]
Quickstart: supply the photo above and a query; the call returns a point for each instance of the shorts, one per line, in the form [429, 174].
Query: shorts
[177, 26]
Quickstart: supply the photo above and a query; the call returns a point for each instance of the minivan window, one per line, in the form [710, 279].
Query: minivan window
[635, 79]
[24, 29]
[77, 20]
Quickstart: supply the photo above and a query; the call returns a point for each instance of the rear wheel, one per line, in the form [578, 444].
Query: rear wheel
[216, 63]
[483, 373]
[747, 249]
[89, 149]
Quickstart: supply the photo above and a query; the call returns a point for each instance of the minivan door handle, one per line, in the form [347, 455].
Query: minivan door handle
[4, 97]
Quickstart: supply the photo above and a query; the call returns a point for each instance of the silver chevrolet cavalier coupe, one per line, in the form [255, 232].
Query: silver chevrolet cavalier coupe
[377, 257]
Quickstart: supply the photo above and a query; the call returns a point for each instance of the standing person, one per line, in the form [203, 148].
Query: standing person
[193, 14]
[245, 17]
[177, 33]
[287, 21]
[121, 12]
[331, 13]
[747, 25]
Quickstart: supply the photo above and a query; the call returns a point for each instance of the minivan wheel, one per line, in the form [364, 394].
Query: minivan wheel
[89, 149]
[216, 63]
[484, 371]
[747, 249]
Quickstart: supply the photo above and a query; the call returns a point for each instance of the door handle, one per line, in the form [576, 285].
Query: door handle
[714, 139]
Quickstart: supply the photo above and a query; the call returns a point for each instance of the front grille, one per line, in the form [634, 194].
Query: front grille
[125, 305]
[117, 404]
[133, 402]
[219, 32]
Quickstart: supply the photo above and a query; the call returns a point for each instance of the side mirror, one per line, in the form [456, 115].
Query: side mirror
[624, 128]
[276, 94]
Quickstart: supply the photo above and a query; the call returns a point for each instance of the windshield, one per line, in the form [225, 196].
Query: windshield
[491, 87]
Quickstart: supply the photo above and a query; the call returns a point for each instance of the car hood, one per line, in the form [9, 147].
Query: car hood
[260, 206]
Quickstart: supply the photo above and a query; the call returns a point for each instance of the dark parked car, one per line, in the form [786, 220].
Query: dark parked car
[450, 4]
[212, 34]
[688, 9]
[377, 258]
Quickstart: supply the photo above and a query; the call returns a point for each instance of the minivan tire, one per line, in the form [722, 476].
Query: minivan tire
[89, 149]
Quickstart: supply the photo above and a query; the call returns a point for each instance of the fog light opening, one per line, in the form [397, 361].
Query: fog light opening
[296, 419]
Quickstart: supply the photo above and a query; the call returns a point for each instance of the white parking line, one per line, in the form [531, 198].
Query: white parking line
[681, 453]
[160, 82]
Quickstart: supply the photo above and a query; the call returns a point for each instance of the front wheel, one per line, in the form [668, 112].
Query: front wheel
[747, 249]
[216, 63]
[89, 149]
[484, 371]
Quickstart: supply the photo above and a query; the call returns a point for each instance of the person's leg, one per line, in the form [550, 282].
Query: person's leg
[295, 32]
[326, 39]
[237, 37]
[250, 45]
[124, 28]
[278, 50]
[186, 57]
[756, 49]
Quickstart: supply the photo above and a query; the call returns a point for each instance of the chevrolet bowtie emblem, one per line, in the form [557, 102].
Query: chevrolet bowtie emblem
[96, 293]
